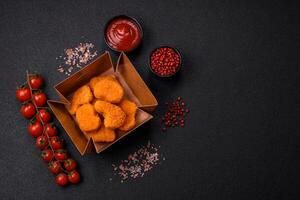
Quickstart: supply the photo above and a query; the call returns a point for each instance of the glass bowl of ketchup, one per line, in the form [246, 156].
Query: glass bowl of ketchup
[123, 33]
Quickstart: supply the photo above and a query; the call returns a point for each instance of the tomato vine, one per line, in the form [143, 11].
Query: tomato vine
[59, 161]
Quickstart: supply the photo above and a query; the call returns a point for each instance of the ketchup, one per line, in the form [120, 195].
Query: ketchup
[123, 34]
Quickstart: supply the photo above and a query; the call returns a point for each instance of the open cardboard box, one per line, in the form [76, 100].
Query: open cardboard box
[135, 90]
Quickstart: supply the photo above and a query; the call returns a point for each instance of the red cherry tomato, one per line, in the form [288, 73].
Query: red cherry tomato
[23, 94]
[44, 115]
[47, 155]
[56, 143]
[74, 177]
[50, 130]
[70, 164]
[28, 110]
[41, 142]
[61, 155]
[39, 99]
[36, 82]
[61, 179]
[35, 129]
[54, 167]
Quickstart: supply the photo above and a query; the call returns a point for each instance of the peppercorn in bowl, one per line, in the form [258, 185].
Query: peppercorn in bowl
[165, 61]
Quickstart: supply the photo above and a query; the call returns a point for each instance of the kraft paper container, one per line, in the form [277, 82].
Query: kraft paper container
[135, 90]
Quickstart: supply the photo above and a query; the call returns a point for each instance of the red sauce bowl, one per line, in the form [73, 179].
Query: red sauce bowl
[174, 52]
[123, 33]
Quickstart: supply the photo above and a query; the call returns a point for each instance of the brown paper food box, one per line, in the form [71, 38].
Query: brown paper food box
[135, 89]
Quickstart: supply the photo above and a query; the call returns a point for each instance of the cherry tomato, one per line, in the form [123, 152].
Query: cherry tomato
[39, 99]
[54, 167]
[44, 115]
[50, 130]
[36, 82]
[56, 143]
[61, 179]
[41, 142]
[23, 94]
[61, 155]
[35, 129]
[28, 110]
[70, 164]
[47, 155]
[74, 177]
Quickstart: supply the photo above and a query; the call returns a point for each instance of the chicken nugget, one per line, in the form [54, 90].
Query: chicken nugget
[87, 118]
[96, 79]
[130, 109]
[81, 96]
[108, 89]
[102, 135]
[114, 117]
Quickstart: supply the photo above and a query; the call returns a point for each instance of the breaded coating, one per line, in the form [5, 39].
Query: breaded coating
[108, 89]
[96, 79]
[114, 117]
[102, 135]
[87, 118]
[81, 96]
[130, 110]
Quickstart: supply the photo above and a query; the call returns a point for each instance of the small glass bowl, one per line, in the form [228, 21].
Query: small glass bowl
[170, 75]
[128, 17]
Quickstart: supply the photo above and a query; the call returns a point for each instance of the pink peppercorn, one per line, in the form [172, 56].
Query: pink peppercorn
[175, 116]
[165, 61]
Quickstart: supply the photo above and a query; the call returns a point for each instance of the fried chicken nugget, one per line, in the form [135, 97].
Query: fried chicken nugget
[87, 118]
[81, 96]
[114, 117]
[108, 89]
[130, 109]
[102, 135]
[96, 79]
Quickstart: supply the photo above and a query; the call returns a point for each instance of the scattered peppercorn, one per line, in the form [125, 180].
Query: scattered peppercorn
[175, 114]
[165, 61]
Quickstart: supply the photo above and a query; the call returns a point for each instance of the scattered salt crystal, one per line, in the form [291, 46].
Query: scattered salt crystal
[76, 57]
[138, 163]
[60, 69]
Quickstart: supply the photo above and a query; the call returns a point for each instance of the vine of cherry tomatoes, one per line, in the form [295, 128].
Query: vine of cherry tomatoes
[45, 133]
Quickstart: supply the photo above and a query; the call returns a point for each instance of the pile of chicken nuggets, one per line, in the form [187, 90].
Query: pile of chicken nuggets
[100, 108]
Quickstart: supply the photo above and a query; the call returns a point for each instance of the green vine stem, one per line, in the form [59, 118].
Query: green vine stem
[43, 124]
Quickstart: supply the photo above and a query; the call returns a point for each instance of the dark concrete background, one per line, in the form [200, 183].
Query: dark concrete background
[239, 78]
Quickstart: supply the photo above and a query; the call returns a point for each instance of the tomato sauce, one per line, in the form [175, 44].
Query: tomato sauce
[123, 34]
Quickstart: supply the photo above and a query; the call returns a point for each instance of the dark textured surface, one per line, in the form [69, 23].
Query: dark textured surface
[241, 59]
